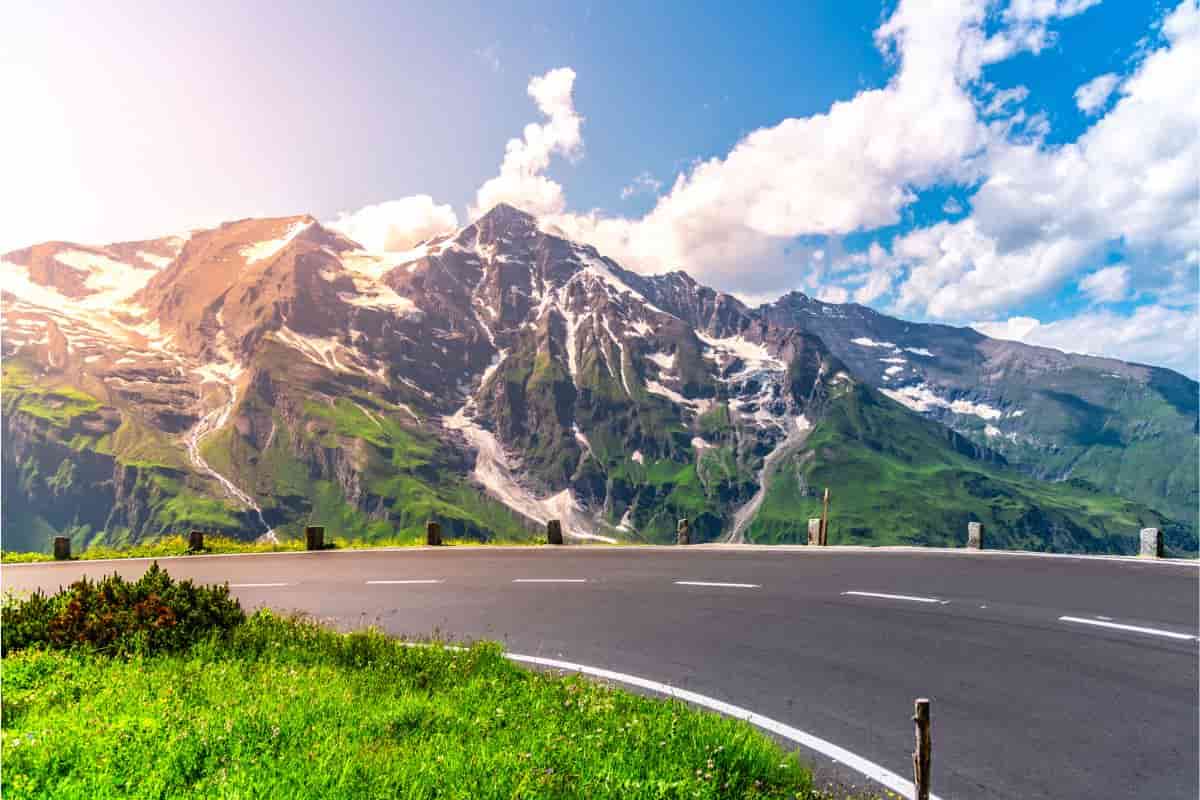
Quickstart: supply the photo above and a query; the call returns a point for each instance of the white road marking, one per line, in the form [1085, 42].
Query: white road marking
[256, 585]
[1133, 628]
[730, 585]
[549, 580]
[898, 597]
[874, 771]
[1106, 619]
[415, 580]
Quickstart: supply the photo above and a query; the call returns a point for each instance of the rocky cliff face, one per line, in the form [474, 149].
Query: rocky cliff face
[267, 373]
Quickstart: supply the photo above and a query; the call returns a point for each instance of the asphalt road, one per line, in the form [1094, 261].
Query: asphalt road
[1025, 704]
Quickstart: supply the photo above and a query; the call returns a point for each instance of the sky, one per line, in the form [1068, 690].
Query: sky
[1030, 168]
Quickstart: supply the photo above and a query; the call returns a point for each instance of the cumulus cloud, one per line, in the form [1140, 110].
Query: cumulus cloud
[1150, 334]
[1093, 95]
[396, 224]
[1108, 285]
[1043, 213]
[521, 181]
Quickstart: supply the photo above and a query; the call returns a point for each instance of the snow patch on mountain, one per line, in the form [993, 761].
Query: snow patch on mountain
[260, 251]
[864, 341]
[921, 398]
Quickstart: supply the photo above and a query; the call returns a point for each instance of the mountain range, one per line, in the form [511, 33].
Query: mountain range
[270, 373]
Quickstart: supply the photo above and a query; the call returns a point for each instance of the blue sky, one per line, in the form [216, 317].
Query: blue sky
[1029, 167]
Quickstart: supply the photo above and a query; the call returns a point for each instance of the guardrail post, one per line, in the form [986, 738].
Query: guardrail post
[195, 541]
[433, 533]
[921, 756]
[62, 548]
[825, 519]
[314, 537]
[1152, 543]
[814, 531]
[975, 535]
[683, 534]
[554, 532]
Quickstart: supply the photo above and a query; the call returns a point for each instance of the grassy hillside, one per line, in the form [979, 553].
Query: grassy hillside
[899, 479]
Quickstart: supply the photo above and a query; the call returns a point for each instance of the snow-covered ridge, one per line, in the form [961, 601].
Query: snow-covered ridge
[260, 251]
[864, 341]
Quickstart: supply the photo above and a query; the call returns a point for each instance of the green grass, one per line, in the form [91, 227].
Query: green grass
[280, 708]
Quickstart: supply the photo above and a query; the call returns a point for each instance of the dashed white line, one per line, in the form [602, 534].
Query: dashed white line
[1131, 628]
[874, 771]
[713, 583]
[898, 597]
[256, 585]
[415, 580]
[549, 580]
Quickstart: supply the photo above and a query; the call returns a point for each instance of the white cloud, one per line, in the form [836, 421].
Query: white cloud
[1091, 96]
[396, 224]
[1108, 285]
[521, 182]
[645, 183]
[490, 55]
[833, 294]
[854, 167]
[1043, 212]
[1151, 334]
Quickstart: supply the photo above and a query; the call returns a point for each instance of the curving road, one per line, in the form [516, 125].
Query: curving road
[1051, 677]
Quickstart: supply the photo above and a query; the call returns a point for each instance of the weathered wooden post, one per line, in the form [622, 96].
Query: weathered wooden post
[433, 534]
[814, 531]
[683, 534]
[825, 519]
[195, 541]
[314, 537]
[975, 535]
[921, 756]
[62, 548]
[554, 532]
[1152, 543]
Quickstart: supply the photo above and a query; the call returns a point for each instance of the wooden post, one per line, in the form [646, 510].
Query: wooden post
[554, 532]
[921, 756]
[195, 541]
[683, 534]
[433, 534]
[975, 535]
[814, 531]
[314, 537]
[825, 519]
[1151, 543]
[62, 548]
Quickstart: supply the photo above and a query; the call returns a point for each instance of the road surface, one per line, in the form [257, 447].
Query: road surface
[1049, 677]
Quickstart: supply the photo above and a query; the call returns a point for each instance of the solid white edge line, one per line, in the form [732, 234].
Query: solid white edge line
[897, 597]
[870, 769]
[1133, 628]
[709, 583]
[256, 585]
[415, 580]
[549, 580]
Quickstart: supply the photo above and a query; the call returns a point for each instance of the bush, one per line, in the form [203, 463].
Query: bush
[153, 614]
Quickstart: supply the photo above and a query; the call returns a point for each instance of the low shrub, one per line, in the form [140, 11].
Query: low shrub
[153, 614]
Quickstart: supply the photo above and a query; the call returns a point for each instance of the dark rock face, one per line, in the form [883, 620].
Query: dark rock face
[257, 374]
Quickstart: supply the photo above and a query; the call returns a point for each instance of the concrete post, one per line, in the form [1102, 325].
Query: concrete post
[62, 548]
[1152, 543]
[314, 537]
[975, 535]
[683, 534]
[923, 752]
[554, 532]
[433, 534]
[195, 541]
[814, 531]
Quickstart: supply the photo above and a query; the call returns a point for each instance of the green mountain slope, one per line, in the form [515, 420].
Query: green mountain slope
[897, 478]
